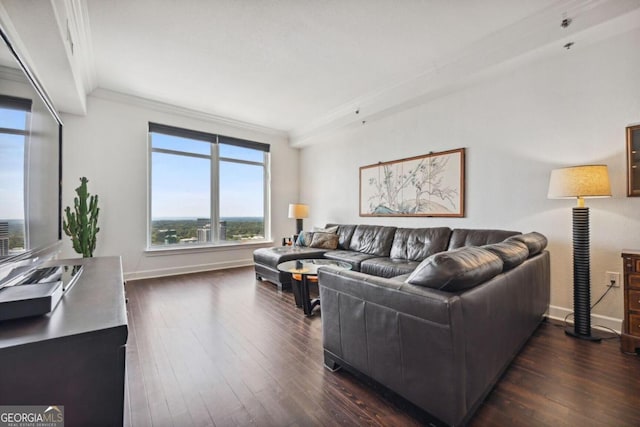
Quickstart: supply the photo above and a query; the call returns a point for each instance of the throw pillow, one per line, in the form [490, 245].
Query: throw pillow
[512, 252]
[324, 240]
[457, 270]
[304, 238]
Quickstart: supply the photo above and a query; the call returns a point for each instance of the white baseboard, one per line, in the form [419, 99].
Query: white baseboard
[559, 313]
[173, 271]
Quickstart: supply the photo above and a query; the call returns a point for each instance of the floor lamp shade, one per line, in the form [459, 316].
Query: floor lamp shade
[298, 211]
[580, 182]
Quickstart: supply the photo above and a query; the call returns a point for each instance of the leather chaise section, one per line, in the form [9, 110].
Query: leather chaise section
[274, 256]
[266, 262]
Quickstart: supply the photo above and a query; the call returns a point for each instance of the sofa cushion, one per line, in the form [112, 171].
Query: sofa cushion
[372, 239]
[465, 237]
[324, 240]
[416, 244]
[511, 252]
[536, 242]
[388, 267]
[345, 232]
[353, 258]
[457, 270]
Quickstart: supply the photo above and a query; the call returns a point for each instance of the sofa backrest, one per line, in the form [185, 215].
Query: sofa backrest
[467, 237]
[372, 239]
[345, 232]
[416, 244]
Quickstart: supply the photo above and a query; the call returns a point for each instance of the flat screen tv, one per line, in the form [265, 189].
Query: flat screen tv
[30, 165]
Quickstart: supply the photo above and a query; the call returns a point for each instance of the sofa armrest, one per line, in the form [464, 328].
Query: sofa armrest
[499, 316]
[403, 336]
[418, 301]
[442, 351]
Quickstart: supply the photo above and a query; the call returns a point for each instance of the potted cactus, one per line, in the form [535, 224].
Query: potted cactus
[82, 224]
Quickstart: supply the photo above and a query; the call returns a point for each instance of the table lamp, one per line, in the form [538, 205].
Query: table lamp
[298, 211]
[580, 182]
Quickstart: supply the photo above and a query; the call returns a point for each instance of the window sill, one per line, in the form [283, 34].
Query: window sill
[173, 250]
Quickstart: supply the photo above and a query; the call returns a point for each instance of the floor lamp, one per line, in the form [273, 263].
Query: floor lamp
[580, 182]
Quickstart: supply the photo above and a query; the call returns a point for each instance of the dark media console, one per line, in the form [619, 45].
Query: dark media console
[75, 355]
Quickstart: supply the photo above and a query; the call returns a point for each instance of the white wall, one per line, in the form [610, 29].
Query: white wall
[564, 110]
[109, 147]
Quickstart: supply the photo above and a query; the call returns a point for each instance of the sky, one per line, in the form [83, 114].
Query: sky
[181, 185]
[12, 165]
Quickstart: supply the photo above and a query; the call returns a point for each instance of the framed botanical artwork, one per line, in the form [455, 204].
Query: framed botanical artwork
[428, 185]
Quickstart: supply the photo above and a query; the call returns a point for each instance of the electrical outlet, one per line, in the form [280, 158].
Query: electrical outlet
[612, 278]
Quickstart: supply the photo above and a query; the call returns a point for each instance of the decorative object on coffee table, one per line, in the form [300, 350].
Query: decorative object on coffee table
[428, 185]
[580, 182]
[82, 224]
[298, 211]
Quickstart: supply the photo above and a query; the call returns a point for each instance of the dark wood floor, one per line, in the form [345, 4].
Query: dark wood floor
[223, 349]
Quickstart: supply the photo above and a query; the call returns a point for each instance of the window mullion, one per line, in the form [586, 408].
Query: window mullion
[149, 189]
[266, 213]
[215, 193]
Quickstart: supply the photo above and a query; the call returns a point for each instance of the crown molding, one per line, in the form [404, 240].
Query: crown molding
[79, 18]
[163, 107]
[539, 35]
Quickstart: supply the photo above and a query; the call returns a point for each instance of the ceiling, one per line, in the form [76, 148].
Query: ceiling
[297, 66]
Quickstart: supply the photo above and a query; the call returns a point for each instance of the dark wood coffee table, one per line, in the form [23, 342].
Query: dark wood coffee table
[304, 271]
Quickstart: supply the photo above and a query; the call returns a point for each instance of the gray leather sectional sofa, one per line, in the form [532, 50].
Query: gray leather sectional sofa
[435, 315]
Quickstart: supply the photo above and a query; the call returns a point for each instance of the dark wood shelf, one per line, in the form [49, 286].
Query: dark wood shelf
[630, 339]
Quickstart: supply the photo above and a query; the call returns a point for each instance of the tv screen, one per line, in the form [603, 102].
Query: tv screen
[30, 163]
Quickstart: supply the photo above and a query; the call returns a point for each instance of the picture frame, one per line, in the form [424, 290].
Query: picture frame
[431, 185]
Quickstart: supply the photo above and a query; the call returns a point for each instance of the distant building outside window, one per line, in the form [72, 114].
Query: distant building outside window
[206, 189]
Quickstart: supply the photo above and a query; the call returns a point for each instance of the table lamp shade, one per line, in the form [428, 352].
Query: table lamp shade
[298, 211]
[579, 181]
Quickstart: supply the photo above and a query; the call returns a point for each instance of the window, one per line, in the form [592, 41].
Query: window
[206, 189]
[14, 115]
